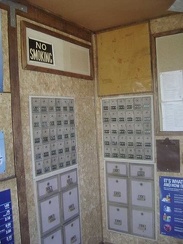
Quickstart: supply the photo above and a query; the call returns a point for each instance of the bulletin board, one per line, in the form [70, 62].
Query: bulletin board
[124, 62]
[169, 88]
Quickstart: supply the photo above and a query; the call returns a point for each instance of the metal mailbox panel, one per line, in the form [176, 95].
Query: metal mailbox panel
[142, 193]
[72, 233]
[70, 203]
[143, 223]
[54, 238]
[47, 187]
[118, 218]
[117, 189]
[142, 171]
[68, 179]
[50, 213]
[116, 168]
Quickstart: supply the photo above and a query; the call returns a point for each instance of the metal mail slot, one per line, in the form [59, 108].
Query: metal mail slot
[47, 165]
[44, 120]
[105, 105]
[142, 171]
[70, 203]
[47, 187]
[72, 233]
[37, 137]
[36, 118]
[117, 189]
[50, 213]
[106, 117]
[143, 223]
[113, 105]
[142, 193]
[35, 105]
[116, 168]
[52, 135]
[54, 238]
[118, 218]
[59, 119]
[121, 104]
[129, 103]
[137, 102]
[51, 104]
[68, 179]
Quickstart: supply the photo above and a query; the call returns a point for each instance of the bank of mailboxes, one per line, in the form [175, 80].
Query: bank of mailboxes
[59, 209]
[131, 198]
[53, 131]
[127, 124]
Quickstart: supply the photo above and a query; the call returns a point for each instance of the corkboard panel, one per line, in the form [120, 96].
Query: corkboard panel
[124, 62]
[6, 127]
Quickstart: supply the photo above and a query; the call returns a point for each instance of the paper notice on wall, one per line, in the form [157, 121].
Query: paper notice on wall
[172, 116]
[171, 93]
[171, 84]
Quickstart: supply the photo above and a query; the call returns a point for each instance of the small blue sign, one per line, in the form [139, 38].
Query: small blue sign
[6, 218]
[171, 206]
[2, 154]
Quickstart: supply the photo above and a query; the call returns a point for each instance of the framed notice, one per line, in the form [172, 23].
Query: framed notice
[47, 51]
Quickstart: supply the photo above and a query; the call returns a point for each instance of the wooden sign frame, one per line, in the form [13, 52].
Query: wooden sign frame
[50, 40]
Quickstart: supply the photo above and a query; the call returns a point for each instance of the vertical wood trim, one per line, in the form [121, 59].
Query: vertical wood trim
[17, 133]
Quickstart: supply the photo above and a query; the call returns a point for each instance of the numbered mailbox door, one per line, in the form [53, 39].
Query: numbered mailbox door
[70, 203]
[143, 223]
[142, 171]
[117, 189]
[116, 168]
[118, 218]
[72, 232]
[68, 179]
[50, 213]
[142, 193]
[54, 238]
[47, 187]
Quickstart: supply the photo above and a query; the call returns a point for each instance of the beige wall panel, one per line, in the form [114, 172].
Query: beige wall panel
[173, 22]
[12, 185]
[124, 61]
[88, 171]
[6, 126]
[6, 73]
[42, 84]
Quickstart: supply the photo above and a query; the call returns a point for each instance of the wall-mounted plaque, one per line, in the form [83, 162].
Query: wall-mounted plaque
[47, 51]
